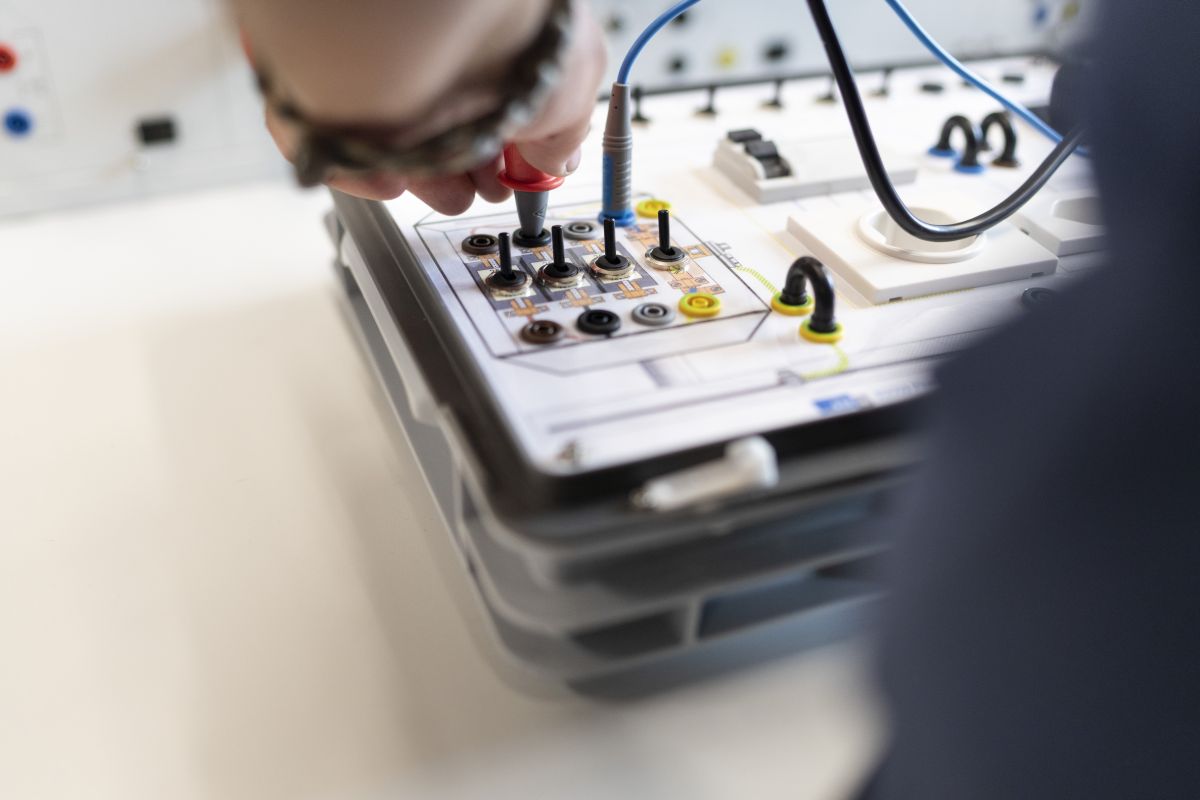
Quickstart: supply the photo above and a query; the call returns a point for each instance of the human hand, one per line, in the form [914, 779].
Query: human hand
[391, 63]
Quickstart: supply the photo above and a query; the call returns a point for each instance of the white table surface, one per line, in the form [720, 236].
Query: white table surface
[221, 576]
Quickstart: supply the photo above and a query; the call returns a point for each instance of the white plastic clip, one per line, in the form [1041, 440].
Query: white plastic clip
[748, 464]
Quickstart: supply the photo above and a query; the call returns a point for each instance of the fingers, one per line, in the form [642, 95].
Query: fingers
[488, 184]
[283, 135]
[559, 153]
[383, 186]
[551, 143]
[554, 148]
[450, 195]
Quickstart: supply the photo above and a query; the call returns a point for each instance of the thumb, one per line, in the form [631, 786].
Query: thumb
[557, 154]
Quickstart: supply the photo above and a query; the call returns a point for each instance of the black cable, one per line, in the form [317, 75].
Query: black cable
[877, 172]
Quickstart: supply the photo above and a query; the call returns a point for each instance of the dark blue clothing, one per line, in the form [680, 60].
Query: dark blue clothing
[1043, 634]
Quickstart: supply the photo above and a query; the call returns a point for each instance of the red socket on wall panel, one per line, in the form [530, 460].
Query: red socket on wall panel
[8, 58]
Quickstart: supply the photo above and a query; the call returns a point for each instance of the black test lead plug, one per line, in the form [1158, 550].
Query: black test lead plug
[776, 101]
[532, 188]
[612, 264]
[885, 84]
[638, 116]
[506, 278]
[830, 95]
[559, 273]
[665, 251]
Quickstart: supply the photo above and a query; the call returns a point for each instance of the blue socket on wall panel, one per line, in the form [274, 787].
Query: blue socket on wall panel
[18, 123]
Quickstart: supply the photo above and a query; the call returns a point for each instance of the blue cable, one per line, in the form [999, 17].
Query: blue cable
[970, 77]
[640, 44]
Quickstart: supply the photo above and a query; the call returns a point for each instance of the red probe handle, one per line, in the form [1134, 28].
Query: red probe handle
[521, 176]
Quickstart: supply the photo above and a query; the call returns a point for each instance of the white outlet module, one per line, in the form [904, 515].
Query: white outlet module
[1066, 225]
[860, 243]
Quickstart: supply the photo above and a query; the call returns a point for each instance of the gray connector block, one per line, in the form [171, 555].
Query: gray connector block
[531, 212]
[618, 157]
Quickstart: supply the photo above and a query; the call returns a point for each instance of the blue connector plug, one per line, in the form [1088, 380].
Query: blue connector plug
[618, 159]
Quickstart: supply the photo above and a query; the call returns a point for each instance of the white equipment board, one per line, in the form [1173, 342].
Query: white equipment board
[590, 401]
[719, 42]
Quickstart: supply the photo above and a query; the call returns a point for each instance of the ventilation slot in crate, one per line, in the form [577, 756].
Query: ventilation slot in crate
[636, 637]
[787, 597]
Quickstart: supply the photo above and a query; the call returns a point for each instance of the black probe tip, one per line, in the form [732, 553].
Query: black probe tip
[556, 239]
[665, 250]
[664, 230]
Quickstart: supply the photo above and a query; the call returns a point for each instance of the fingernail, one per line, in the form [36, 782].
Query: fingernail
[574, 161]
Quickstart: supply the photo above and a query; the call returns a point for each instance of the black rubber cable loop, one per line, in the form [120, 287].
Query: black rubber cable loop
[795, 287]
[969, 160]
[822, 319]
[1007, 157]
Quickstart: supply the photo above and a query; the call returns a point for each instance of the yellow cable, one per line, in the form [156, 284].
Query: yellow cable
[842, 365]
[760, 278]
[843, 359]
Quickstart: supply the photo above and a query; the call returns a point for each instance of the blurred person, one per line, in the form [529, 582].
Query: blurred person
[1041, 640]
